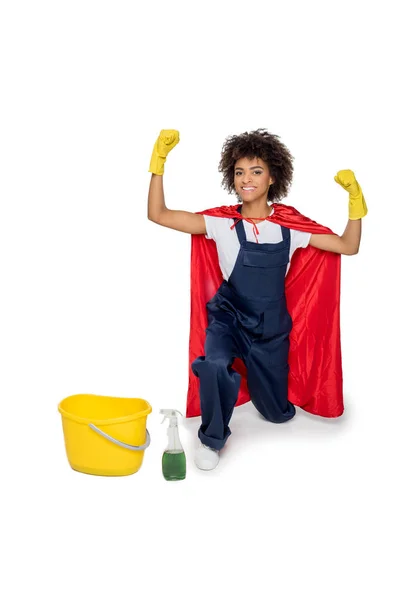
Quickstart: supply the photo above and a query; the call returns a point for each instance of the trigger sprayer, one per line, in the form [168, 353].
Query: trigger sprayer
[173, 459]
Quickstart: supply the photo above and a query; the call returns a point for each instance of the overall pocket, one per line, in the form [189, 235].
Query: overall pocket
[264, 273]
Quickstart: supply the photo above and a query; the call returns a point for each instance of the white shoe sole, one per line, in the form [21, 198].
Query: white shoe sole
[206, 459]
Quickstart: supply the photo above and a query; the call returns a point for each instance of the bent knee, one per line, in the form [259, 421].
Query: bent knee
[211, 363]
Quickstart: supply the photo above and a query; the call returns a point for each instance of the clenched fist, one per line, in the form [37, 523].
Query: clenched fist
[357, 205]
[167, 140]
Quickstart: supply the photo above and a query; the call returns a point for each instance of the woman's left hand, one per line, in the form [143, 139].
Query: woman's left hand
[357, 205]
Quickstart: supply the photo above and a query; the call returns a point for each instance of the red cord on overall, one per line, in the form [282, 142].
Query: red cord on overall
[255, 229]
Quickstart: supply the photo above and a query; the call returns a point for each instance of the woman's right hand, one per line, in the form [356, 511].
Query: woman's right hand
[167, 140]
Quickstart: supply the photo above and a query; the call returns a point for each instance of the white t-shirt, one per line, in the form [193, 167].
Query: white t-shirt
[228, 245]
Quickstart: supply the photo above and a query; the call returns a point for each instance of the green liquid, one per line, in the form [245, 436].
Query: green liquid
[174, 465]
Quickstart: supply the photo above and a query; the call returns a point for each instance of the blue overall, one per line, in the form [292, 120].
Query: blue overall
[248, 319]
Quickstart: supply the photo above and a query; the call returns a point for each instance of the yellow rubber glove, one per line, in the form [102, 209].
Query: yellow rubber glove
[167, 140]
[357, 206]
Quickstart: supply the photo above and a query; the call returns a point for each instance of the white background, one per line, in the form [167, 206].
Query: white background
[95, 298]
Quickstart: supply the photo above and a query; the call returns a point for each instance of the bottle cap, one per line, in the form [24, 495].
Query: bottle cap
[170, 413]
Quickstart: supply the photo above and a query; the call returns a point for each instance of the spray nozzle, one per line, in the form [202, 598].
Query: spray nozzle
[170, 413]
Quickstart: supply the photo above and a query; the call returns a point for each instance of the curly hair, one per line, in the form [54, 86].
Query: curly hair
[258, 144]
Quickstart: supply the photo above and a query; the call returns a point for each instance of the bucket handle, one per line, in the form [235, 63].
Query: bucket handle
[118, 443]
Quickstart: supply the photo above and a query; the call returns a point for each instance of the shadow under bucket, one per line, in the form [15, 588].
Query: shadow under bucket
[105, 435]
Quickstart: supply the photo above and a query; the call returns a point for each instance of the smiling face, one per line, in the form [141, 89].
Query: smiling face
[252, 179]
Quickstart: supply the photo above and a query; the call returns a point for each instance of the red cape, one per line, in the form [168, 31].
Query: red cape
[313, 298]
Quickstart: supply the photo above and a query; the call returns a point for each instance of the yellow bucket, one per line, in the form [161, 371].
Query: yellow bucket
[105, 435]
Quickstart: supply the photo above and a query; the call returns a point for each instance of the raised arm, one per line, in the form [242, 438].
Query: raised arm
[349, 241]
[157, 212]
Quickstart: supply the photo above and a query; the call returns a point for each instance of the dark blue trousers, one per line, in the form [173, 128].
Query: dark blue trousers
[267, 377]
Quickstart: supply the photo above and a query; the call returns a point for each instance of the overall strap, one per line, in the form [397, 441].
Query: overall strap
[240, 228]
[285, 233]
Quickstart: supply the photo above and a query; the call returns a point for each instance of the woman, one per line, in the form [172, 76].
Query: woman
[248, 316]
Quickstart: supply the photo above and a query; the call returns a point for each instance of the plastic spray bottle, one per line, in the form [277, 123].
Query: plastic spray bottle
[173, 459]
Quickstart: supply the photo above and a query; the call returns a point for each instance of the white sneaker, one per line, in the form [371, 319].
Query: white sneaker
[206, 458]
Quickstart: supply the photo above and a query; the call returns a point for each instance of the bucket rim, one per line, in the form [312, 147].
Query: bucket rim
[112, 421]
